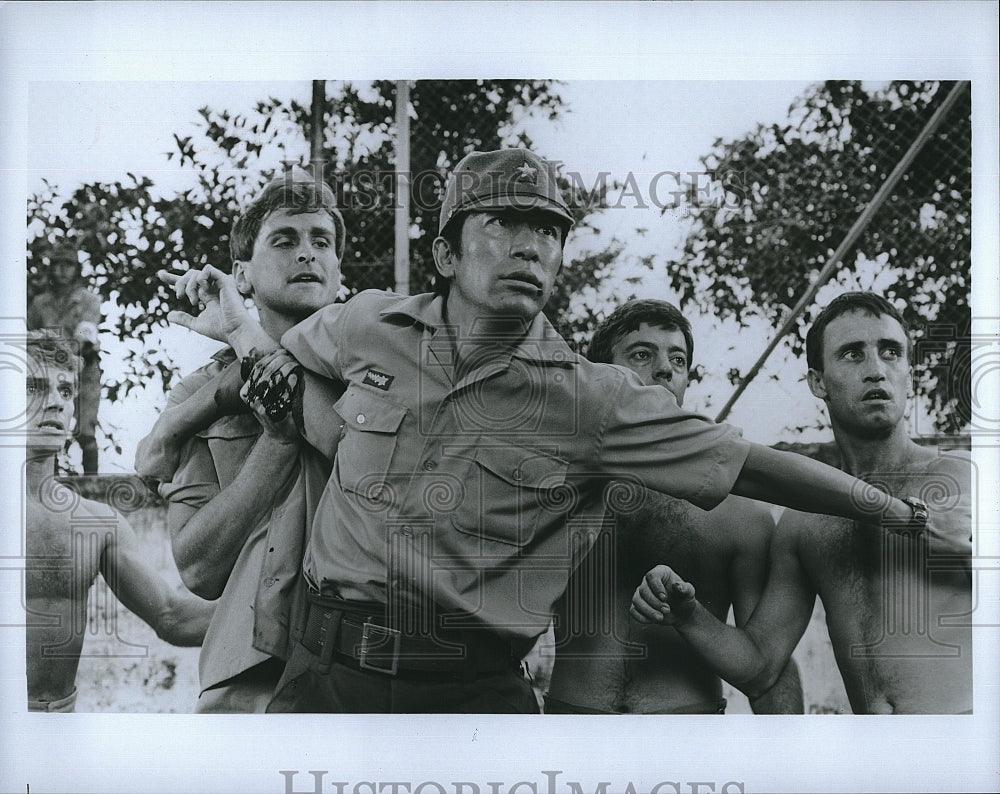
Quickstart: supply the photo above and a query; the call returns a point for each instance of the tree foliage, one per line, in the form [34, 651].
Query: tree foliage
[128, 230]
[802, 184]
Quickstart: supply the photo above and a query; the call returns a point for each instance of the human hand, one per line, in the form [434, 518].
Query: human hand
[214, 294]
[271, 389]
[662, 597]
[86, 334]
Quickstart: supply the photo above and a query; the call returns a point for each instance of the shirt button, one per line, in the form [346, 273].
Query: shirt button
[430, 465]
[269, 581]
[361, 419]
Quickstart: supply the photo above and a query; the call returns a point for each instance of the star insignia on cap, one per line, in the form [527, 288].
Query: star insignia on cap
[526, 173]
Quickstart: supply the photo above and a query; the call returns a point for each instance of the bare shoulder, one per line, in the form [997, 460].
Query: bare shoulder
[955, 463]
[104, 518]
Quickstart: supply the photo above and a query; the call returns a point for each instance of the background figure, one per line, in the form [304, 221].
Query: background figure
[70, 540]
[606, 663]
[73, 309]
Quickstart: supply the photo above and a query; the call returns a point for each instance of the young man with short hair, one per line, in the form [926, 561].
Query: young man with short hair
[240, 498]
[604, 662]
[898, 607]
[74, 309]
[70, 540]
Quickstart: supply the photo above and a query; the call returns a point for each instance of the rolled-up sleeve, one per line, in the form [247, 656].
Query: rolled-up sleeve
[645, 435]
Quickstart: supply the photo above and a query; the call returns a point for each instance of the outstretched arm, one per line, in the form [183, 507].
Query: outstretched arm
[177, 616]
[158, 454]
[751, 658]
[792, 480]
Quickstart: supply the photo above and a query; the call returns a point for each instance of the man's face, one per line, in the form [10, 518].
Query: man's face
[866, 377]
[508, 264]
[50, 392]
[658, 356]
[62, 272]
[294, 269]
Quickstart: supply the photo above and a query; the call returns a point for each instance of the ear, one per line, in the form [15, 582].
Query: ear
[816, 383]
[444, 258]
[242, 278]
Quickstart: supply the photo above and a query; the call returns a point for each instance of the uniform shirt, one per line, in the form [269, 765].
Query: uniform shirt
[49, 310]
[251, 620]
[477, 497]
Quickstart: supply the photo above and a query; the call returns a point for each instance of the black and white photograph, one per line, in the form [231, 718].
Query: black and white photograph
[507, 397]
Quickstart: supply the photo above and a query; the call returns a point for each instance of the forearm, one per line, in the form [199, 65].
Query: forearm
[185, 619]
[730, 652]
[798, 482]
[157, 455]
[207, 546]
[784, 697]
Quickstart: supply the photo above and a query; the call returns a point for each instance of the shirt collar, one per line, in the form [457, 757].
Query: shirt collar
[541, 344]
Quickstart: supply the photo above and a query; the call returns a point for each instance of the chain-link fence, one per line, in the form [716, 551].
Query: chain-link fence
[864, 187]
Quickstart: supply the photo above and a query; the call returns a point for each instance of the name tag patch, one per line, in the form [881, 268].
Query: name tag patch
[378, 379]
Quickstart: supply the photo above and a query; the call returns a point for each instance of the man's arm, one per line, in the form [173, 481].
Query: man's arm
[158, 454]
[208, 534]
[747, 579]
[798, 482]
[177, 616]
[751, 658]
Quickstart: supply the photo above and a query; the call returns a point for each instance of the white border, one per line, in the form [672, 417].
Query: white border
[691, 41]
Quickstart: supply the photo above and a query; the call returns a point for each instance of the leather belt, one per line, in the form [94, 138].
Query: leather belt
[353, 634]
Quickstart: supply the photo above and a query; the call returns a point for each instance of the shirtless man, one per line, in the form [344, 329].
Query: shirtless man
[70, 540]
[625, 667]
[897, 607]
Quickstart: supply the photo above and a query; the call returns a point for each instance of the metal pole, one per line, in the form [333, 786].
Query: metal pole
[852, 236]
[316, 129]
[402, 183]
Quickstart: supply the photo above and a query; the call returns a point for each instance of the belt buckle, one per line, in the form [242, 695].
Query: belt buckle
[374, 638]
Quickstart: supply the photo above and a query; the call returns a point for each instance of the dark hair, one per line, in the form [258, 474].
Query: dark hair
[865, 302]
[628, 317]
[48, 347]
[283, 194]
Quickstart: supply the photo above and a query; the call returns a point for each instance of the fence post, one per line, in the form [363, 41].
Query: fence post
[402, 183]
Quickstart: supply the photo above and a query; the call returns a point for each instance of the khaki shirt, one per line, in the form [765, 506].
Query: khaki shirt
[479, 496]
[251, 620]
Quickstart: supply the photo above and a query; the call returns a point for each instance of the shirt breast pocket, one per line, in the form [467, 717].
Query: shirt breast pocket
[364, 455]
[511, 491]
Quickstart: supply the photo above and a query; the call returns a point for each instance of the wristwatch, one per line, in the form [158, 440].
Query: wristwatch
[918, 520]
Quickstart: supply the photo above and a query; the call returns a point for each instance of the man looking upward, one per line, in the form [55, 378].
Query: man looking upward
[897, 607]
[70, 540]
